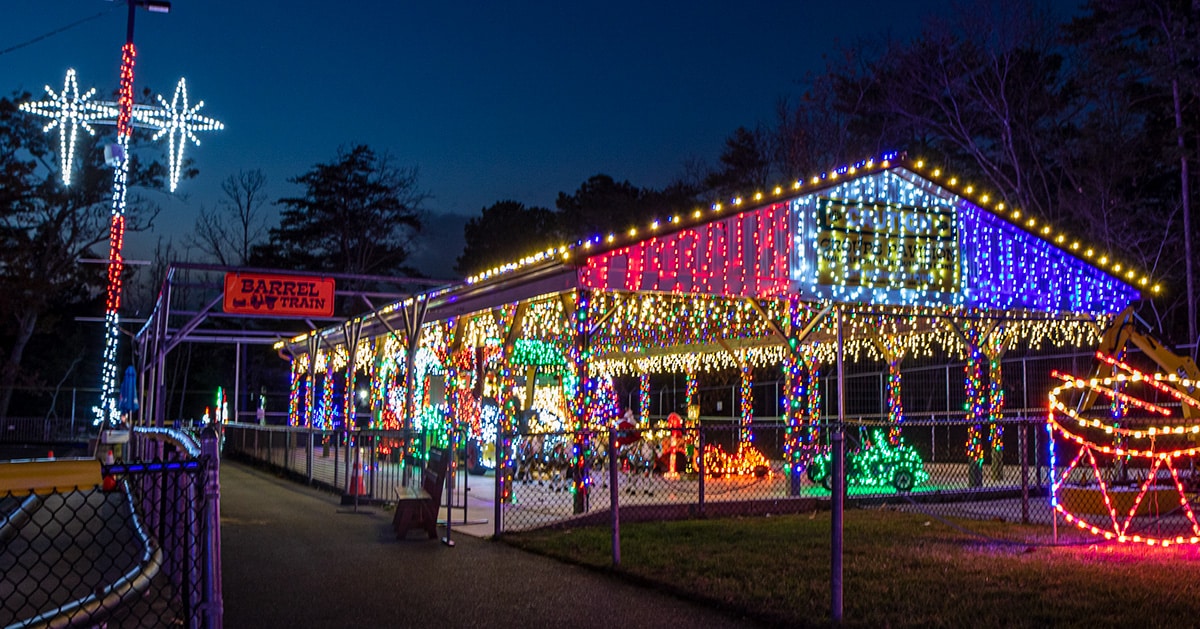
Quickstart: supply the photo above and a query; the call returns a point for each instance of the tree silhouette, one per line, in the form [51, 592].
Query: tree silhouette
[504, 232]
[45, 229]
[359, 214]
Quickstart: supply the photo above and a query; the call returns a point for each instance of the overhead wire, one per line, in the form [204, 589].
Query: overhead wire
[56, 31]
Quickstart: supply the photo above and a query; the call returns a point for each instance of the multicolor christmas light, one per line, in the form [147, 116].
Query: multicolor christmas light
[893, 351]
[1100, 441]
[993, 350]
[793, 399]
[746, 397]
[644, 399]
[691, 384]
[976, 398]
[709, 291]
[581, 399]
[294, 396]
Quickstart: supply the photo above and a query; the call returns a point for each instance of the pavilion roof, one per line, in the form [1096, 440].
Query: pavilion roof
[1010, 260]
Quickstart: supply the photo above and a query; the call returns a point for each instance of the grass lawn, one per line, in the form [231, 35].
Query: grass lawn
[900, 569]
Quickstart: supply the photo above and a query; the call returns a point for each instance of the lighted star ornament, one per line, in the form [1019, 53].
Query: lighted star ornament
[69, 111]
[179, 123]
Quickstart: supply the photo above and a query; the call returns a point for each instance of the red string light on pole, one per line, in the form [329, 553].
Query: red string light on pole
[107, 412]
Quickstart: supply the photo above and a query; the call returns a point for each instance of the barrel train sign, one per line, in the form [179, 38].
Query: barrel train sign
[278, 295]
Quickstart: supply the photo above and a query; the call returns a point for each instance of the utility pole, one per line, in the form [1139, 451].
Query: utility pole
[108, 413]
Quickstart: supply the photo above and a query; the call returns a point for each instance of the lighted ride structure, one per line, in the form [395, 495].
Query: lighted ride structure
[1126, 471]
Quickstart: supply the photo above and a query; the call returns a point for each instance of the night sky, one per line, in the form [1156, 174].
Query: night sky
[490, 100]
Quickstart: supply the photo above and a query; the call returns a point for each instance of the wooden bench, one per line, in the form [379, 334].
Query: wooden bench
[417, 508]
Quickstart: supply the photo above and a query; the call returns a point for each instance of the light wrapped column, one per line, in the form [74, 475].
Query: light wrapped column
[581, 400]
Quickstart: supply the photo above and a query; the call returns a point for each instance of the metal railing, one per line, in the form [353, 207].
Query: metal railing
[362, 465]
[140, 549]
[657, 472]
[41, 430]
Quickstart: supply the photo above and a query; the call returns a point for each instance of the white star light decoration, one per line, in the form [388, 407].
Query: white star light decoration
[70, 112]
[179, 123]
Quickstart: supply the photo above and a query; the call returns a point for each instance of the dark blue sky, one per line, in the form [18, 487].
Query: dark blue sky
[490, 100]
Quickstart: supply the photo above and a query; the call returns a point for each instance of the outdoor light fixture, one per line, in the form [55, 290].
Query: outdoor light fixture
[153, 6]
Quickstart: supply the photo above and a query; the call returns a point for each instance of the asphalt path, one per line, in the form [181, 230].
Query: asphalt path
[294, 557]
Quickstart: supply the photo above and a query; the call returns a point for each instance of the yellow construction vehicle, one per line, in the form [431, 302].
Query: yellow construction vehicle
[1124, 330]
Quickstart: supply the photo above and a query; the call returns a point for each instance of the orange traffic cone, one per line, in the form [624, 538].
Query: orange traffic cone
[356, 482]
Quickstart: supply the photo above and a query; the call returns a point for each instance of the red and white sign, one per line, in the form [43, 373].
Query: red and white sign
[279, 295]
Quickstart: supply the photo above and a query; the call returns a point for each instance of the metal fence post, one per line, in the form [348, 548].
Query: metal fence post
[501, 458]
[932, 439]
[373, 467]
[308, 457]
[700, 466]
[1037, 459]
[614, 497]
[1023, 445]
[448, 483]
[838, 496]
[213, 601]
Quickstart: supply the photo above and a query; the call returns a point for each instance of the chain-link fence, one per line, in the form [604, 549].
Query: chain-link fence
[723, 468]
[140, 548]
[949, 438]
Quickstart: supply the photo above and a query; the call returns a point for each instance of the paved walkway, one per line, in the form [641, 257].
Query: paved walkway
[294, 557]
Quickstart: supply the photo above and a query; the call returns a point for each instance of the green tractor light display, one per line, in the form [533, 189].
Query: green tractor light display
[877, 464]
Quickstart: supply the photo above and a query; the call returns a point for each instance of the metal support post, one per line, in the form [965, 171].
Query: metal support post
[839, 481]
[614, 497]
[237, 382]
[700, 458]
[308, 455]
[210, 443]
[448, 487]
[501, 480]
[1023, 446]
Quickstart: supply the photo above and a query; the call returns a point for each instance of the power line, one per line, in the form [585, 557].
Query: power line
[55, 32]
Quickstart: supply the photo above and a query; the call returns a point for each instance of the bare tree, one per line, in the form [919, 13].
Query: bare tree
[1149, 50]
[831, 124]
[228, 233]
